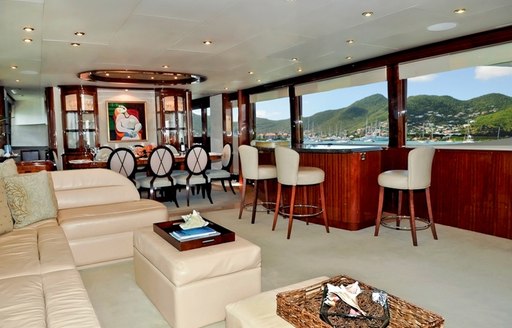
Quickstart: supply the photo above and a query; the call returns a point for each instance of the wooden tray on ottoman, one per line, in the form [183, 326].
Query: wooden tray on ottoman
[163, 229]
[301, 308]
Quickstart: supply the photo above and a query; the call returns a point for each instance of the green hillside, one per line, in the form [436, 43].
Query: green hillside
[484, 116]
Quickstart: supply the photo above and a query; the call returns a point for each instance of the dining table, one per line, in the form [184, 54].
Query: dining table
[141, 161]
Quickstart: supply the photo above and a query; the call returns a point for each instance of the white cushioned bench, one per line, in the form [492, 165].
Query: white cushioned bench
[192, 288]
[260, 310]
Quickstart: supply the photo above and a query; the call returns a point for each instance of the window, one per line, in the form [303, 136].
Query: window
[272, 115]
[349, 109]
[462, 98]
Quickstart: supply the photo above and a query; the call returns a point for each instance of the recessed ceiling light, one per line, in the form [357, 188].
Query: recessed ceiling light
[295, 59]
[14, 67]
[251, 72]
[207, 42]
[441, 27]
[27, 40]
[460, 10]
[18, 81]
[350, 41]
[259, 81]
[226, 88]
[79, 33]
[28, 29]
[367, 13]
[348, 58]
[299, 69]
[165, 66]
[75, 44]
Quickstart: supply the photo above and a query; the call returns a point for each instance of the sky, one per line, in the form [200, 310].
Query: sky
[462, 84]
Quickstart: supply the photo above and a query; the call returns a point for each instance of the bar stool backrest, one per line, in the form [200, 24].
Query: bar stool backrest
[249, 161]
[419, 166]
[287, 165]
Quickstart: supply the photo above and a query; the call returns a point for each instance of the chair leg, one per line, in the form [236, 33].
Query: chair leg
[276, 210]
[412, 218]
[266, 195]
[255, 202]
[290, 218]
[208, 187]
[324, 209]
[430, 216]
[242, 197]
[399, 210]
[188, 195]
[223, 185]
[231, 186]
[305, 200]
[379, 211]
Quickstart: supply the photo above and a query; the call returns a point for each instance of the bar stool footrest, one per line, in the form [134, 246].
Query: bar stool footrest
[285, 211]
[268, 206]
[390, 222]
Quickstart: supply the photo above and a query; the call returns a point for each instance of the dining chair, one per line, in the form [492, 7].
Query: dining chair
[197, 162]
[103, 153]
[122, 160]
[223, 174]
[160, 166]
[416, 177]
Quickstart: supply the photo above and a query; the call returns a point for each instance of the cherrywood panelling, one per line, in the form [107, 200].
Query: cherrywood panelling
[471, 189]
[351, 188]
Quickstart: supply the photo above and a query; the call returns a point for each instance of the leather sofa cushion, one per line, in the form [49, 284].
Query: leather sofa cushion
[185, 267]
[89, 187]
[19, 255]
[67, 302]
[22, 302]
[92, 221]
[54, 251]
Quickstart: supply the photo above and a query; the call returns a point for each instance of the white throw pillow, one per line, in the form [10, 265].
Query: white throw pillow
[31, 198]
[6, 223]
[8, 168]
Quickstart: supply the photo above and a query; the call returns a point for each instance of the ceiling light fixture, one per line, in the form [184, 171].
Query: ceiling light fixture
[350, 41]
[460, 10]
[27, 40]
[367, 13]
[441, 27]
[165, 66]
[140, 77]
[348, 58]
[207, 42]
[14, 67]
[28, 29]
[299, 69]
[251, 72]
[295, 59]
[79, 33]
[75, 44]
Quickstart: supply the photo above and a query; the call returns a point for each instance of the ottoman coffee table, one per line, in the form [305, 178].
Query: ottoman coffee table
[191, 288]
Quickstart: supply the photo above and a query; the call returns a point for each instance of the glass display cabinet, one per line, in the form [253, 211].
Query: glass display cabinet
[79, 118]
[174, 117]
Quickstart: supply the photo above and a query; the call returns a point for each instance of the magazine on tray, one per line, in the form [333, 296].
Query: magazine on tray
[194, 233]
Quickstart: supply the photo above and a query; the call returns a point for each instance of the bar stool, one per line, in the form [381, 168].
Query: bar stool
[416, 177]
[289, 173]
[251, 170]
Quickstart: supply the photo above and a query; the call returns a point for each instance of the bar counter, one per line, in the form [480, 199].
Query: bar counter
[351, 187]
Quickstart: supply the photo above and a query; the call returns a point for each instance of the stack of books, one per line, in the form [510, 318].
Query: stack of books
[194, 233]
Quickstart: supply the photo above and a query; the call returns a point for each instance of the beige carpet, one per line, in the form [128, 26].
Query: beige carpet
[463, 276]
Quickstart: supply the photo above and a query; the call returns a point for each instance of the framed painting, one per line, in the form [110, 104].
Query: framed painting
[126, 121]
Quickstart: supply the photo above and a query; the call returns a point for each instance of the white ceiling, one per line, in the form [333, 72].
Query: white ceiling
[261, 36]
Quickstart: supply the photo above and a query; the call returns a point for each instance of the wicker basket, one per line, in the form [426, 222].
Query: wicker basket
[300, 308]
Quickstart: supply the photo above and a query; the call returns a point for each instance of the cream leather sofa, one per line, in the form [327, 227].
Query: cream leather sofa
[40, 286]
[98, 211]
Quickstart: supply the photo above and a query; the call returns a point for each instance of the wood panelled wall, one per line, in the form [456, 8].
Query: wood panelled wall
[471, 189]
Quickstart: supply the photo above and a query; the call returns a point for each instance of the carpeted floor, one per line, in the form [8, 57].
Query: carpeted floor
[463, 276]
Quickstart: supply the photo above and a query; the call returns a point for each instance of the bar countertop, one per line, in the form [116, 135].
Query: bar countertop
[337, 148]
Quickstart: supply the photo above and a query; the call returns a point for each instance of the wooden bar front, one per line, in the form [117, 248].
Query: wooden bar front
[351, 188]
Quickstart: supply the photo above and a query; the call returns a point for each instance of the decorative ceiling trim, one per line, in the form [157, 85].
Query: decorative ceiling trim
[140, 77]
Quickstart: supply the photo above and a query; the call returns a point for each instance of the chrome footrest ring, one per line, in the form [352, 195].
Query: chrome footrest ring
[285, 211]
[390, 222]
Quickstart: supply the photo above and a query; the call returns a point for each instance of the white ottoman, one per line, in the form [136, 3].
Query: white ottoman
[260, 310]
[192, 288]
